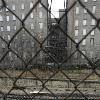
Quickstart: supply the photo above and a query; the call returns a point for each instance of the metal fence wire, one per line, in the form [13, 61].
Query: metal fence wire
[49, 72]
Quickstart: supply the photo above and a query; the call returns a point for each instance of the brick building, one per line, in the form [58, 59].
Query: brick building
[23, 44]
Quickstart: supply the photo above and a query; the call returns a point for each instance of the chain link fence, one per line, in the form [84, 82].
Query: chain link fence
[50, 72]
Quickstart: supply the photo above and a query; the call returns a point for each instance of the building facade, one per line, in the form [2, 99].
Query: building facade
[80, 23]
[23, 43]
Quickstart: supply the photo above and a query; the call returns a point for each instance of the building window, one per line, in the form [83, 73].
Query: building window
[76, 40]
[9, 37]
[7, 18]
[85, 0]
[76, 32]
[8, 28]
[92, 33]
[24, 55]
[23, 16]
[10, 55]
[1, 18]
[84, 22]
[13, 7]
[41, 25]
[3, 37]
[40, 14]
[14, 27]
[2, 28]
[94, 9]
[32, 26]
[92, 41]
[84, 31]
[31, 4]
[84, 52]
[14, 18]
[76, 55]
[85, 11]
[93, 22]
[77, 10]
[3, 45]
[22, 6]
[40, 5]
[0, 10]
[94, 0]
[91, 54]
[23, 35]
[84, 42]
[31, 15]
[32, 44]
[7, 9]
[15, 57]
[76, 22]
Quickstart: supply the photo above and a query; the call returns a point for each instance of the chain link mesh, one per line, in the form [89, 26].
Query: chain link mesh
[54, 82]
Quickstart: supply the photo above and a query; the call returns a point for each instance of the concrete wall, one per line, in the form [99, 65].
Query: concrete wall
[58, 83]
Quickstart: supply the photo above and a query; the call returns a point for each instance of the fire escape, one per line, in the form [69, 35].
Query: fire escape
[56, 45]
[57, 41]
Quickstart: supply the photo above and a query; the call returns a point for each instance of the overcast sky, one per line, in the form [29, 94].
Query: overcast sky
[56, 5]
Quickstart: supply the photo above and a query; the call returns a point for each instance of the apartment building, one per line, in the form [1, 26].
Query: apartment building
[80, 23]
[23, 43]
